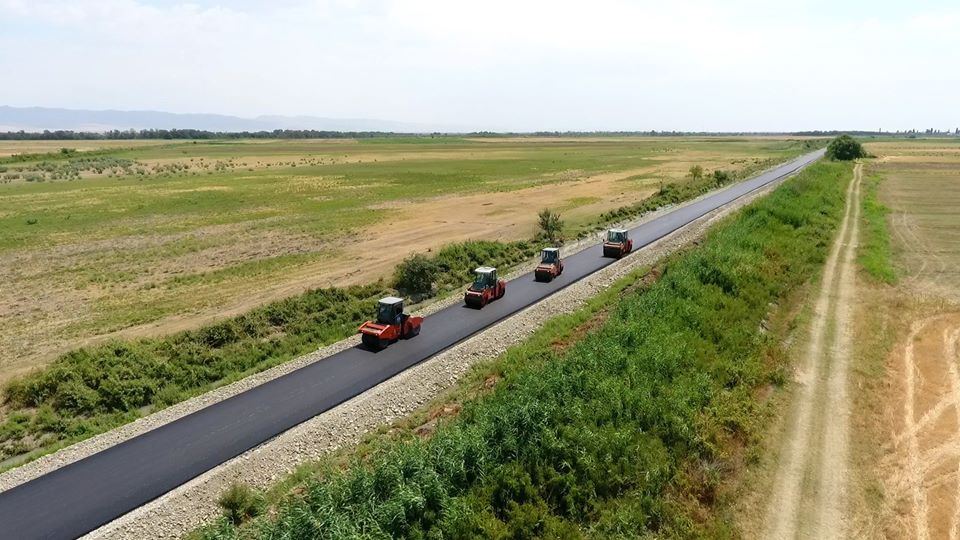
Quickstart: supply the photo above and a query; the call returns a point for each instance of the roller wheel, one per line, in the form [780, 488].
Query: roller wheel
[373, 342]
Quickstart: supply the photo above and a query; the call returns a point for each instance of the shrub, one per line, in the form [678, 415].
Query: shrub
[721, 178]
[240, 503]
[696, 173]
[845, 148]
[415, 275]
[456, 262]
[76, 397]
[550, 225]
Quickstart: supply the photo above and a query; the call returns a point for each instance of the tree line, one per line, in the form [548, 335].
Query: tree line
[130, 134]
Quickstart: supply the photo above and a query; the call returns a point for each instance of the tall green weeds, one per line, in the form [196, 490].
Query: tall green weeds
[875, 254]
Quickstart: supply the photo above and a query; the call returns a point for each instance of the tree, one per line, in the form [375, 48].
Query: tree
[845, 148]
[550, 225]
[416, 274]
[696, 172]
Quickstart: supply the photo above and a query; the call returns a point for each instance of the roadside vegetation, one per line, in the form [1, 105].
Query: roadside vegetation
[94, 389]
[626, 432]
[696, 183]
[845, 148]
[875, 255]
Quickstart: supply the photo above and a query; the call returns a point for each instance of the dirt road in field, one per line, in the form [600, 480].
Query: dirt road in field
[810, 487]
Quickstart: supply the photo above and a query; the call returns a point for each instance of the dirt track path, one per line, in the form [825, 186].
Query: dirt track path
[809, 491]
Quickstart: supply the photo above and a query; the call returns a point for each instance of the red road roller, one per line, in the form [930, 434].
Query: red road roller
[392, 324]
[551, 265]
[618, 243]
[486, 288]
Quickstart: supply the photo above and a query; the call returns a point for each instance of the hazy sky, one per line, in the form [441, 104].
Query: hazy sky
[497, 64]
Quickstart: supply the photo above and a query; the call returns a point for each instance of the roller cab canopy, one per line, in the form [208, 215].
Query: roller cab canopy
[388, 309]
[617, 236]
[486, 276]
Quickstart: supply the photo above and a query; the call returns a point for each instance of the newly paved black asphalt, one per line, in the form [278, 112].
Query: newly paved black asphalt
[80, 497]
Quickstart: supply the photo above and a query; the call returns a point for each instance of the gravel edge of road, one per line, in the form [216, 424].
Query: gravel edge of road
[194, 503]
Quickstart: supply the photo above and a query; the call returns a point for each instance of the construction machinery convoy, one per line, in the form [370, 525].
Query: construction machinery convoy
[393, 324]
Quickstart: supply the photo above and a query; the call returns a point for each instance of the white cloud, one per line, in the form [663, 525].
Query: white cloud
[617, 64]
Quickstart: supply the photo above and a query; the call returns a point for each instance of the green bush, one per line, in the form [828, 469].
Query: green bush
[845, 148]
[721, 178]
[696, 173]
[550, 226]
[240, 503]
[415, 275]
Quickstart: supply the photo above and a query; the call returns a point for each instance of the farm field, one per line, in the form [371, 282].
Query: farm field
[10, 148]
[908, 340]
[141, 241]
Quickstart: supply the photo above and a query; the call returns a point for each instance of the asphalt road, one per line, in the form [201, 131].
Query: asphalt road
[82, 496]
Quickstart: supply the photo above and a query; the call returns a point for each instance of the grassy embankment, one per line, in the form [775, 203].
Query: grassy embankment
[631, 430]
[94, 389]
[875, 255]
[876, 330]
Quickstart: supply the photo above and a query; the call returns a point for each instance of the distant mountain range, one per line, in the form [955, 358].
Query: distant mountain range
[42, 118]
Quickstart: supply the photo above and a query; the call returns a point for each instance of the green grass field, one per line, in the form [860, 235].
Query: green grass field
[165, 237]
